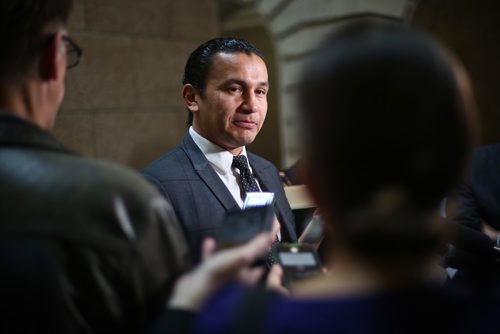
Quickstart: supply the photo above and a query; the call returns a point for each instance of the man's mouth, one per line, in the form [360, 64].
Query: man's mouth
[245, 124]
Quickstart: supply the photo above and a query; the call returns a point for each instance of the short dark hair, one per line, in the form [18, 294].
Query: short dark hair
[21, 32]
[384, 115]
[199, 62]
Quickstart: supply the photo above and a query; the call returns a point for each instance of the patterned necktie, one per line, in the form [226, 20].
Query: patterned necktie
[249, 184]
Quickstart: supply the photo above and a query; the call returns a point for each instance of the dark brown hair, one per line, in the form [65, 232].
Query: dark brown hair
[200, 61]
[21, 31]
[386, 131]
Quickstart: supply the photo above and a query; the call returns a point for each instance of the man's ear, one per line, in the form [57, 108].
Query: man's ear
[50, 67]
[190, 95]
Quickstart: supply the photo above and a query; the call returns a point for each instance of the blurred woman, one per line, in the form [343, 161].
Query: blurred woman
[387, 129]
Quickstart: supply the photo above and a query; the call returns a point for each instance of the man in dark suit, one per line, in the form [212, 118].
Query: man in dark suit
[477, 204]
[225, 91]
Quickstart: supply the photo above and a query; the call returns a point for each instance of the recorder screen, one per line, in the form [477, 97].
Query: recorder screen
[297, 259]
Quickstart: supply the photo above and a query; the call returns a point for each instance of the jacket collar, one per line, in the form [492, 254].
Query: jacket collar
[205, 171]
[17, 132]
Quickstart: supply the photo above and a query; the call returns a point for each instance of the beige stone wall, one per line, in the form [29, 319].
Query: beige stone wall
[123, 101]
[471, 29]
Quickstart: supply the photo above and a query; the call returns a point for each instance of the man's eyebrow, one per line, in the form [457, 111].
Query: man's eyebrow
[243, 83]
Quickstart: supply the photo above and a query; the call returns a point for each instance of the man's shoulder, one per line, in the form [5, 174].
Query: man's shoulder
[168, 164]
[106, 175]
[165, 159]
[85, 186]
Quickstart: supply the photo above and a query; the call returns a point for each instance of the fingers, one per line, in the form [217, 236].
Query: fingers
[251, 276]
[227, 261]
[276, 228]
[254, 248]
[192, 289]
[284, 179]
[274, 280]
[182, 296]
[489, 231]
[208, 248]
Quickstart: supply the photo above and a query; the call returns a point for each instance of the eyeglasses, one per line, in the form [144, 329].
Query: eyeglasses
[73, 51]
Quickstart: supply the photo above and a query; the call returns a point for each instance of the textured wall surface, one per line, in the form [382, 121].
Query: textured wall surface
[471, 30]
[123, 102]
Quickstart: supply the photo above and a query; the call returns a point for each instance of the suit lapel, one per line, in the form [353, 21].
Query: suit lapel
[207, 174]
[265, 180]
[268, 182]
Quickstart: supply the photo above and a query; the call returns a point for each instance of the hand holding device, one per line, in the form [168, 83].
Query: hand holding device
[241, 225]
[299, 261]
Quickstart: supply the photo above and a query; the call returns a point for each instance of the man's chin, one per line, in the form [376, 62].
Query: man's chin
[238, 143]
[246, 140]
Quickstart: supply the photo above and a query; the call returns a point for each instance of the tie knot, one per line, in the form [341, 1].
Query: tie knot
[248, 182]
[240, 162]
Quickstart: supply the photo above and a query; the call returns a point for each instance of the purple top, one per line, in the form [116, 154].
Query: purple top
[419, 309]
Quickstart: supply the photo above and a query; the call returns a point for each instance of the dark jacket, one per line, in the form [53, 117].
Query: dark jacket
[116, 242]
[200, 198]
[477, 198]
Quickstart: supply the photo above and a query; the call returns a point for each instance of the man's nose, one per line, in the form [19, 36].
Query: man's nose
[250, 103]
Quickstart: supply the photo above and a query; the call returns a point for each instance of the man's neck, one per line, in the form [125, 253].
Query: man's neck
[233, 151]
[26, 101]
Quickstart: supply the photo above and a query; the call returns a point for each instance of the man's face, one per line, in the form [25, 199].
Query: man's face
[233, 106]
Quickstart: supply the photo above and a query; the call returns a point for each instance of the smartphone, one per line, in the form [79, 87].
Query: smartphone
[314, 232]
[299, 261]
[240, 226]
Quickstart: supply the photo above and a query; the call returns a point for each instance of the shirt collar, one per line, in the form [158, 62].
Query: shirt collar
[220, 158]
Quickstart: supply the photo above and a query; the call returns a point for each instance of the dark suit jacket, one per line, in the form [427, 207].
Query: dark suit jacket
[478, 197]
[200, 198]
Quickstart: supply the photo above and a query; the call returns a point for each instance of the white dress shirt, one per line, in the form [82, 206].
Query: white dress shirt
[221, 160]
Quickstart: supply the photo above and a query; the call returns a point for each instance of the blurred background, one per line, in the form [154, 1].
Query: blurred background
[123, 102]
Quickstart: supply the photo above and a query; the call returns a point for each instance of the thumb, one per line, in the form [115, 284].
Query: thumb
[208, 248]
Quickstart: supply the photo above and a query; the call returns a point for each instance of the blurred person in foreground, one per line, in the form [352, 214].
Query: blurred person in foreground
[387, 117]
[475, 201]
[474, 207]
[93, 242]
[114, 242]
